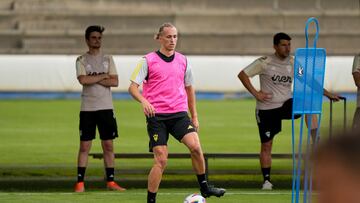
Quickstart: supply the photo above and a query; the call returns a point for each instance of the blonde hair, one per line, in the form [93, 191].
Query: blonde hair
[161, 29]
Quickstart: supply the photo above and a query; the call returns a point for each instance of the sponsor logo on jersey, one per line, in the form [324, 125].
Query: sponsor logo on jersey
[281, 79]
[95, 73]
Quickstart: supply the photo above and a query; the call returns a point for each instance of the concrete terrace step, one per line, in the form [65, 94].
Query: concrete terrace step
[6, 5]
[190, 24]
[138, 23]
[197, 44]
[277, 5]
[205, 26]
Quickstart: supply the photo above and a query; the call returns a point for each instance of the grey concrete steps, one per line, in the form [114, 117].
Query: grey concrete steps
[233, 27]
[278, 5]
[138, 23]
[189, 23]
[6, 5]
[190, 44]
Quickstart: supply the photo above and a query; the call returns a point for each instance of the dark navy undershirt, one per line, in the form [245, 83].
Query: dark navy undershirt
[165, 58]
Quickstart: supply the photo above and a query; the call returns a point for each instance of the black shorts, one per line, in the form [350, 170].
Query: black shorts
[159, 127]
[269, 121]
[104, 120]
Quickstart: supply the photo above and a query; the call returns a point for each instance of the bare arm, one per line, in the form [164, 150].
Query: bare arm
[259, 95]
[148, 109]
[331, 96]
[92, 79]
[190, 91]
[112, 81]
[356, 76]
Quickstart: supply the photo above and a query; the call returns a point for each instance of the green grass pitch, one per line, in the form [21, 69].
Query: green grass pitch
[39, 141]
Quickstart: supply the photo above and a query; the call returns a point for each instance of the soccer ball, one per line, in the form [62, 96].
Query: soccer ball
[195, 198]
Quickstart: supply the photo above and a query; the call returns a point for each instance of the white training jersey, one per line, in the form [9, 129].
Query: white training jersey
[276, 78]
[95, 97]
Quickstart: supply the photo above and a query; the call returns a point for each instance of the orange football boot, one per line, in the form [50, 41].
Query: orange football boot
[111, 185]
[79, 187]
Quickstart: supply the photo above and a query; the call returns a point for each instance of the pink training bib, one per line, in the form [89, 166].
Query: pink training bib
[165, 85]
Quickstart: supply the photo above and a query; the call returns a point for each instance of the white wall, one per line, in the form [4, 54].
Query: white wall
[212, 73]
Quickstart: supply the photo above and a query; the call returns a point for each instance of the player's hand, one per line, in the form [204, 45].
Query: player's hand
[148, 109]
[195, 122]
[333, 97]
[263, 96]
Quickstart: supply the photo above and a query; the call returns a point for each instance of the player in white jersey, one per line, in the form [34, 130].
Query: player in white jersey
[274, 99]
[96, 72]
[356, 75]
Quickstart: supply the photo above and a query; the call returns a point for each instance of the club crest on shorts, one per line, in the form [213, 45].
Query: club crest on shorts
[155, 137]
[267, 133]
[190, 127]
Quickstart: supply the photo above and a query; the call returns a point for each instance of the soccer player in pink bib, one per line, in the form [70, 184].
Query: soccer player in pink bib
[168, 94]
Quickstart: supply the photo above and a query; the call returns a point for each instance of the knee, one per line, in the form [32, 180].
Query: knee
[196, 150]
[266, 147]
[161, 162]
[161, 157]
[83, 150]
[107, 146]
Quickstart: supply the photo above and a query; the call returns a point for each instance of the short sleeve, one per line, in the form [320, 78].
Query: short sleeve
[356, 64]
[140, 72]
[80, 67]
[189, 79]
[255, 68]
[112, 66]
